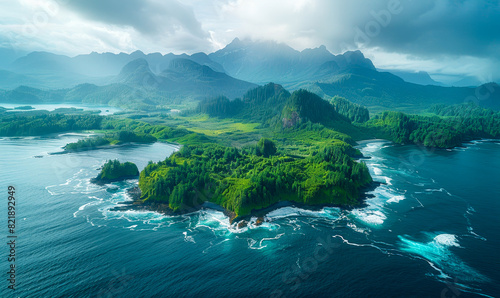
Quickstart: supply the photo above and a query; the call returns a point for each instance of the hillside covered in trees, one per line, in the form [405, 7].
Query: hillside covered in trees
[462, 123]
[304, 152]
[241, 181]
[13, 124]
[252, 178]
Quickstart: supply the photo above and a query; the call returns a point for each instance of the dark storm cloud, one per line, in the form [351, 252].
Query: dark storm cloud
[429, 28]
[150, 17]
[457, 37]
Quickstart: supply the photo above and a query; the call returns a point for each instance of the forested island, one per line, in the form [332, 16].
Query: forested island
[113, 171]
[270, 146]
[242, 181]
[110, 139]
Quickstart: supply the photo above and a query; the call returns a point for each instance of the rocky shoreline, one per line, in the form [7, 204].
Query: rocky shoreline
[242, 221]
[106, 181]
[138, 204]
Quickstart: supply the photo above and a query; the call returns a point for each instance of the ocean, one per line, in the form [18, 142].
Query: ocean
[431, 229]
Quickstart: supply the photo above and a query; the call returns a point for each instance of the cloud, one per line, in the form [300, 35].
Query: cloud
[423, 33]
[424, 27]
[443, 27]
[75, 27]
[431, 35]
[168, 23]
[151, 17]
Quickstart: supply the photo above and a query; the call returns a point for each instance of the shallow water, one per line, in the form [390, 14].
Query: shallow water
[431, 229]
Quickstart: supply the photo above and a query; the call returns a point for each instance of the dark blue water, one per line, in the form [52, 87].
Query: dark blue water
[432, 230]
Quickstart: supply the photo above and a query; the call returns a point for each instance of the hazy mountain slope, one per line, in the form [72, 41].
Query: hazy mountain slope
[137, 86]
[9, 55]
[11, 80]
[349, 75]
[467, 82]
[27, 95]
[187, 77]
[383, 90]
[157, 79]
[421, 77]
[267, 61]
[48, 70]
[183, 78]
[137, 73]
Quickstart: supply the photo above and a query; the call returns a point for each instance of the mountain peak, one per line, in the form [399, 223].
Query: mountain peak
[317, 55]
[135, 64]
[136, 72]
[181, 64]
[236, 43]
[355, 58]
[137, 53]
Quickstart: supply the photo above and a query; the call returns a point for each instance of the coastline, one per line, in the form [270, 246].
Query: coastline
[137, 204]
[65, 151]
[106, 181]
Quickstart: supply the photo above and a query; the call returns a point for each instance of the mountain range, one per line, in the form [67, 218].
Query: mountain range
[153, 79]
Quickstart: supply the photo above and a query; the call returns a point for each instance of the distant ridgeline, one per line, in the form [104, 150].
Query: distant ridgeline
[143, 81]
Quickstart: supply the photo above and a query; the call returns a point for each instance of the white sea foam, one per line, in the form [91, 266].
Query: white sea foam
[438, 252]
[469, 212]
[369, 217]
[385, 194]
[285, 212]
[396, 199]
[438, 190]
[376, 213]
[83, 207]
[136, 215]
[188, 238]
[356, 228]
[377, 171]
[375, 146]
[253, 244]
[447, 240]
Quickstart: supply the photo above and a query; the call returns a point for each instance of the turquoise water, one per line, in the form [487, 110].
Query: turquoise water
[431, 229]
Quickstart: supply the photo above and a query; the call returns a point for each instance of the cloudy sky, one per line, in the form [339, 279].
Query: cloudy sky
[447, 38]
